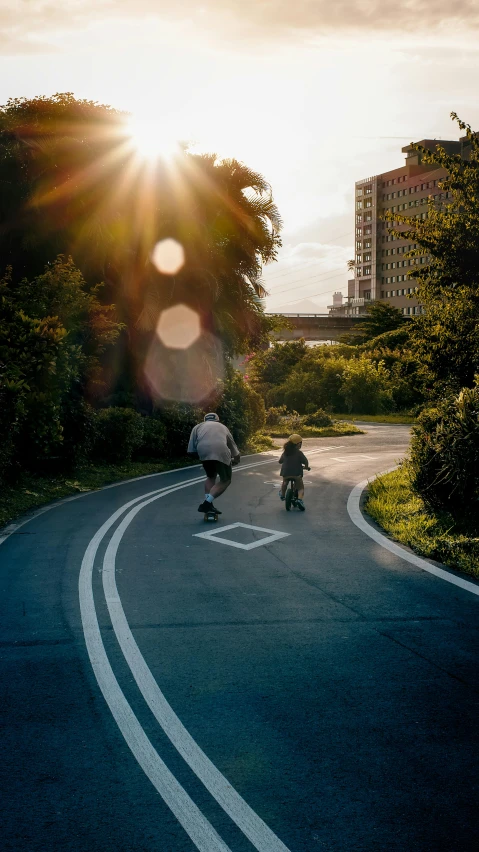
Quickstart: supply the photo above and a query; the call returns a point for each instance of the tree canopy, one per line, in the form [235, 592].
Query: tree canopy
[74, 184]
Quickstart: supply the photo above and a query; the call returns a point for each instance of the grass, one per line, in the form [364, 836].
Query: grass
[404, 515]
[334, 431]
[32, 491]
[259, 443]
[376, 418]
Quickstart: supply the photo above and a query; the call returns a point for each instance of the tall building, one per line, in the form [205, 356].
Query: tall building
[381, 265]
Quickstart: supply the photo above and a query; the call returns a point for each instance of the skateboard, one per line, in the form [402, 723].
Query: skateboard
[211, 516]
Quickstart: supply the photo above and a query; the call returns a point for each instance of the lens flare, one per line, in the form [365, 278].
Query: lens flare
[185, 375]
[151, 139]
[178, 327]
[168, 256]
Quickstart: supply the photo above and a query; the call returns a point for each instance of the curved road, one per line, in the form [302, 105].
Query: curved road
[294, 687]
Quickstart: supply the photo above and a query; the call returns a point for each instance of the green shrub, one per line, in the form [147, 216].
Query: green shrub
[365, 387]
[79, 430]
[178, 419]
[239, 407]
[445, 455]
[119, 432]
[274, 415]
[153, 445]
[318, 418]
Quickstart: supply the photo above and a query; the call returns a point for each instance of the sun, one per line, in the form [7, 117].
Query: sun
[151, 139]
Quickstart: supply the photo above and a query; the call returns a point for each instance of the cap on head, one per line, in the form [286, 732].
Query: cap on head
[211, 416]
[295, 439]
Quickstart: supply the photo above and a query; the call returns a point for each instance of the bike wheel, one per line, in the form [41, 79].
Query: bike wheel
[288, 500]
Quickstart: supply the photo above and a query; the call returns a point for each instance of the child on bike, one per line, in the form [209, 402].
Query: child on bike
[292, 462]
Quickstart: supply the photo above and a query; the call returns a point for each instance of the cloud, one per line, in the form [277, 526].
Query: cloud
[22, 22]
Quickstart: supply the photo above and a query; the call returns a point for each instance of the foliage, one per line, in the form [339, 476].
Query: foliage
[119, 432]
[272, 366]
[240, 407]
[74, 184]
[445, 336]
[445, 455]
[154, 438]
[380, 318]
[274, 414]
[178, 420]
[53, 332]
[402, 513]
[364, 386]
[299, 390]
[318, 418]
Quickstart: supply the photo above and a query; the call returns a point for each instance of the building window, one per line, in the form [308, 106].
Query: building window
[368, 257]
[367, 270]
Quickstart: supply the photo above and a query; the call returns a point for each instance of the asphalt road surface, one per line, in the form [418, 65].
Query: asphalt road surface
[294, 687]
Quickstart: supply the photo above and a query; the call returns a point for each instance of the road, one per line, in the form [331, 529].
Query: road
[166, 691]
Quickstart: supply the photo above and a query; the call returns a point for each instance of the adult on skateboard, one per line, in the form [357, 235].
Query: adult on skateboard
[213, 444]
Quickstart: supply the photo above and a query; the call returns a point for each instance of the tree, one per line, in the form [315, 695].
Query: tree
[271, 367]
[379, 318]
[445, 337]
[74, 184]
[53, 333]
[365, 386]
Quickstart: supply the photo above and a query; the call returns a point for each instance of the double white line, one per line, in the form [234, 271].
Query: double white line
[201, 832]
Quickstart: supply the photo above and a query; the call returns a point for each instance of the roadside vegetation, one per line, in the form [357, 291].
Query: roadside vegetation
[398, 417]
[432, 502]
[89, 390]
[395, 504]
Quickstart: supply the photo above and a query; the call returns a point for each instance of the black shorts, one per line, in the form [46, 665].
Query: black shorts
[216, 468]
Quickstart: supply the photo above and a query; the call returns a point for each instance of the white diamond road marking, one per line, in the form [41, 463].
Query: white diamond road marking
[213, 536]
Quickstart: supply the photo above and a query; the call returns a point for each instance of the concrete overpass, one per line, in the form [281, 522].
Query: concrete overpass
[316, 327]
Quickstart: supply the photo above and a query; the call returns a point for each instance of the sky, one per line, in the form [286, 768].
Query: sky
[313, 94]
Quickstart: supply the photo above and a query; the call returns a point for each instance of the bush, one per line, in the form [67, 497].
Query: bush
[239, 407]
[178, 420]
[153, 445]
[273, 415]
[119, 432]
[318, 418]
[365, 387]
[79, 431]
[445, 455]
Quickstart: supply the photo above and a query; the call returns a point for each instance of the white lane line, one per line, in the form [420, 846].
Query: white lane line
[184, 809]
[260, 835]
[358, 518]
[182, 806]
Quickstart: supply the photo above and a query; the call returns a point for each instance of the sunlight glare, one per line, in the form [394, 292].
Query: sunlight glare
[151, 140]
